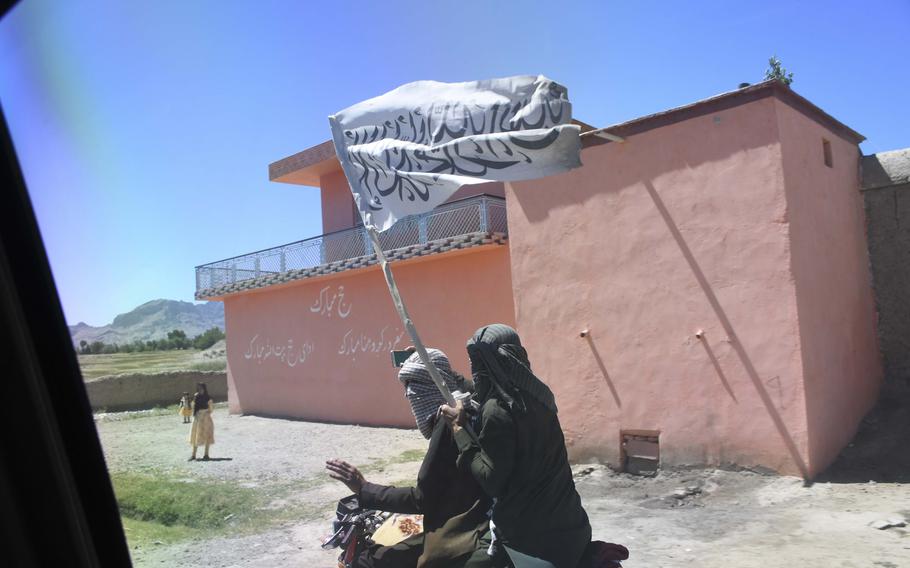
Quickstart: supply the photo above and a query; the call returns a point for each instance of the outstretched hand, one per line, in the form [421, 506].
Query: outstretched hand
[455, 416]
[346, 473]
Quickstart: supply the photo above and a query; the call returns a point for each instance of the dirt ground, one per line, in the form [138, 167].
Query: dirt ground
[704, 518]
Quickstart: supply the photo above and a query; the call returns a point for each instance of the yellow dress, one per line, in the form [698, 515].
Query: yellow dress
[186, 407]
[203, 431]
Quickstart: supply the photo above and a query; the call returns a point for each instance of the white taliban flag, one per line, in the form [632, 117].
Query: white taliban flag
[407, 151]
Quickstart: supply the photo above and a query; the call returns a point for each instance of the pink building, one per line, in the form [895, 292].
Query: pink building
[697, 294]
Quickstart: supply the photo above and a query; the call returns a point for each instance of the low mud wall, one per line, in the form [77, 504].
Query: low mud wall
[886, 189]
[141, 391]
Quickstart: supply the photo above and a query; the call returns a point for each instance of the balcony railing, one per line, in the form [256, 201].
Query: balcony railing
[480, 214]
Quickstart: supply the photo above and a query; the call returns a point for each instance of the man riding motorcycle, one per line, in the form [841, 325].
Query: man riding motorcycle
[454, 508]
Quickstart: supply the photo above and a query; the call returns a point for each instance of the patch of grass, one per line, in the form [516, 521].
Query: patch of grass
[144, 533]
[218, 365]
[95, 366]
[169, 502]
[159, 508]
[406, 456]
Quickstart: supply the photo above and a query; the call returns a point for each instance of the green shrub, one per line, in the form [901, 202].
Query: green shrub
[208, 338]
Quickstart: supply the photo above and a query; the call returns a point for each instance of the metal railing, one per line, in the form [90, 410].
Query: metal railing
[483, 213]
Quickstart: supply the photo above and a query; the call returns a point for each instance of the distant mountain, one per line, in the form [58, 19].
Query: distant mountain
[152, 320]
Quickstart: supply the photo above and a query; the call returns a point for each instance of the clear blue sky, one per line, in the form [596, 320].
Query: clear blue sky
[145, 129]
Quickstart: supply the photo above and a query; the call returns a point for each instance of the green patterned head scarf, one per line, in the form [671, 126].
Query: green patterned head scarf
[500, 365]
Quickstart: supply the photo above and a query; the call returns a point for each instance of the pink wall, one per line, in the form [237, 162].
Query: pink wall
[338, 210]
[339, 330]
[841, 364]
[680, 228]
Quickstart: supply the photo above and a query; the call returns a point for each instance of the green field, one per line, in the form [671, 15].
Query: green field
[94, 366]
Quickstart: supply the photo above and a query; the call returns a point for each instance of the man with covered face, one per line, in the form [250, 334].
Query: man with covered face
[454, 507]
[519, 458]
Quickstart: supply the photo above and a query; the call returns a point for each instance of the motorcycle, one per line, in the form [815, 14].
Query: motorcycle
[353, 529]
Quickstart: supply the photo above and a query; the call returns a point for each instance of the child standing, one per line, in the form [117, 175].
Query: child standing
[186, 407]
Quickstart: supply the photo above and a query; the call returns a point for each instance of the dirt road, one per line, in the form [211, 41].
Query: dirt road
[703, 518]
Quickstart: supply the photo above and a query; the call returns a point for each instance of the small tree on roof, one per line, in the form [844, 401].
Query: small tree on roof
[776, 71]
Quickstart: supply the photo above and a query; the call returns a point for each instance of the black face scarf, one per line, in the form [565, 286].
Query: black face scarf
[500, 365]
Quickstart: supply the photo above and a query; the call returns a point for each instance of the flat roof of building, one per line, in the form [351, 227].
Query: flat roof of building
[307, 166]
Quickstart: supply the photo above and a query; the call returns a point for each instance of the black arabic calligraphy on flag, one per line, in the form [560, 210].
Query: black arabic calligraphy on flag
[407, 151]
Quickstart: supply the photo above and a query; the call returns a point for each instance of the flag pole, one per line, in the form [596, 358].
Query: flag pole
[406, 319]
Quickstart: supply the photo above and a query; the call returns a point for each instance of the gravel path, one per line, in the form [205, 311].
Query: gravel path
[704, 518]
[247, 448]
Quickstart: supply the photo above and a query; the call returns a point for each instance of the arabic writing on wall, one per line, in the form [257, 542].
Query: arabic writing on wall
[331, 302]
[262, 350]
[353, 343]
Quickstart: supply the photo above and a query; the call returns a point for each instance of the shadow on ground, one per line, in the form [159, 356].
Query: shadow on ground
[880, 451]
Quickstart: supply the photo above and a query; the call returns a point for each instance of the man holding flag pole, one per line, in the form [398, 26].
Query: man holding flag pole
[408, 151]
